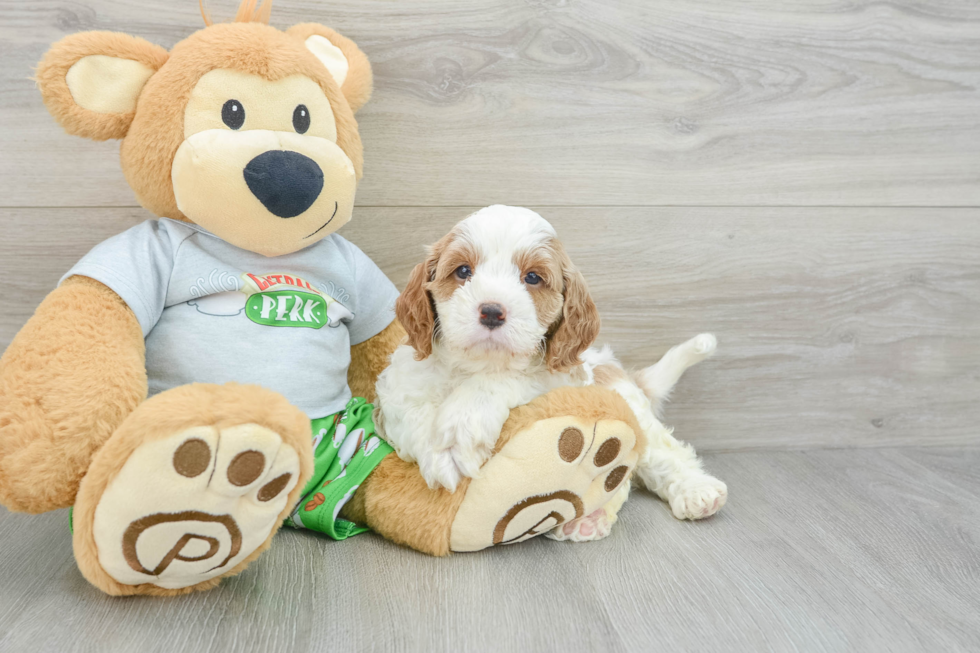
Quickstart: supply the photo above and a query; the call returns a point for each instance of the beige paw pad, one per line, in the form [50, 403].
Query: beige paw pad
[558, 470]
[192, 506]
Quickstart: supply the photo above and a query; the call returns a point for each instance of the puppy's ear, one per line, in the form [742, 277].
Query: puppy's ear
[348, 66]
[578, 326]
[415, 312]
[414, 308]
[90, 81]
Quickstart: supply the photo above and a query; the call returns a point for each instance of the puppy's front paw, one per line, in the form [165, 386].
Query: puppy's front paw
[469, 435]
[446, 468]
[469, 458]
[439, 470]
[697, 497]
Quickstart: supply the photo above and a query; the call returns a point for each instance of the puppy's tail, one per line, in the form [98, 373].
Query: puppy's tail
[658, 380]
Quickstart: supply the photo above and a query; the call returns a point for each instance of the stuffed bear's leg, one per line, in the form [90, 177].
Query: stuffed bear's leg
[396, 503]
[190, 488]
[67, 381]
[562, 456]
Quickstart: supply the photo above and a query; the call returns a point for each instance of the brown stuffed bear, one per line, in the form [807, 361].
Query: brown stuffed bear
[243, 316]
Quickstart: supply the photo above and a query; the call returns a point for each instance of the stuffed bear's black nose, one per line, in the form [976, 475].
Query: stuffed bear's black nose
[287, 183]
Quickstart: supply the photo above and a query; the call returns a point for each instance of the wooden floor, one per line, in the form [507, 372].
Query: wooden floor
[800, 178]
[832, 550]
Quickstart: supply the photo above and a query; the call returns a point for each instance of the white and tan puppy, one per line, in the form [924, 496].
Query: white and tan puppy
[497, 315]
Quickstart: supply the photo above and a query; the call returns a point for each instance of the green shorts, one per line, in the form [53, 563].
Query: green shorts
[345, 451]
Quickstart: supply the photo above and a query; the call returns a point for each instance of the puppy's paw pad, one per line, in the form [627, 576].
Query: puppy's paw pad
[698, 497]
[594, 526]
[190, 507]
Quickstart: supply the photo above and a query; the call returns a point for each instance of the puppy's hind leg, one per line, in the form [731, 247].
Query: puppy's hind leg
[658, 380]
[670, 468]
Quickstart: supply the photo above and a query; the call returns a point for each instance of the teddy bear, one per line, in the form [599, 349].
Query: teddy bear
[206, 376]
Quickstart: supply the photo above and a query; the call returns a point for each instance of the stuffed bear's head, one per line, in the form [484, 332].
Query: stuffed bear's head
[242, 129]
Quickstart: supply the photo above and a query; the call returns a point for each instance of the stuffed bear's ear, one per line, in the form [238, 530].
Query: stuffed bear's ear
[345, 61]
[90, 81]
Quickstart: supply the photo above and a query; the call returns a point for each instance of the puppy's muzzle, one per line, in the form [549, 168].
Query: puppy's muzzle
[287, 183]
[492, 315]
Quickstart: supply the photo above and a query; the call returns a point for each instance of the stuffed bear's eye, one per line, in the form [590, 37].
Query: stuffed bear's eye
[301, 119]
[532, 278]
[233, 114]
[464, 272]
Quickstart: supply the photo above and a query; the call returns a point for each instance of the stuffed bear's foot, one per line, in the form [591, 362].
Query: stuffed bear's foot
[171, 508]
[192, 506]
[550, 470]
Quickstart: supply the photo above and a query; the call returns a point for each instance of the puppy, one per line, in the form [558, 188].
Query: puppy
[497, 315]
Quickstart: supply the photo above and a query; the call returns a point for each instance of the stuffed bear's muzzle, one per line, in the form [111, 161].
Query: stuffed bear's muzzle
[287, 183]
[239, 185]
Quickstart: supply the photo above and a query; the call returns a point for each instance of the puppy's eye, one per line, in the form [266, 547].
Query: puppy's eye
[464, 272]
[301, 119]
[233, 114]
[532, 279]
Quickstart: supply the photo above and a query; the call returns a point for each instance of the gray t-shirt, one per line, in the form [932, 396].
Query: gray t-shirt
[214, 313]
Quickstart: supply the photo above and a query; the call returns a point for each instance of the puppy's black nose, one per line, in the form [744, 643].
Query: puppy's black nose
[287, 183]
[492, 315]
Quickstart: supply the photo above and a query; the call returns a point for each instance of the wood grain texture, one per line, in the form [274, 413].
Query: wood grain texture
[597, 102]
[830, 551]
[837, 327]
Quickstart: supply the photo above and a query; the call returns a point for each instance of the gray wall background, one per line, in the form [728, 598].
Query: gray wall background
[802, 179]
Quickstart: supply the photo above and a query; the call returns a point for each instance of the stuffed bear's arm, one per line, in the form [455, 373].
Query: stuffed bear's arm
[67, 380]
[370, 357]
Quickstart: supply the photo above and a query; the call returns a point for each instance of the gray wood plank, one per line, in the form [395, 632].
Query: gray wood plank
[869, 550]
[837, 327]
[611, 102]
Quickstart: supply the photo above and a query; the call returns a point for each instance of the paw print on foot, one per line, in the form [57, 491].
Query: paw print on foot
[192, 506]
[558, 470]
[697, 497]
